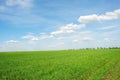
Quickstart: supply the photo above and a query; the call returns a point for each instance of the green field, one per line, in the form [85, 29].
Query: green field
[100, 64]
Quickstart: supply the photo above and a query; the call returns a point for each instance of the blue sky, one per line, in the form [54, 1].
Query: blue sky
[58, 24]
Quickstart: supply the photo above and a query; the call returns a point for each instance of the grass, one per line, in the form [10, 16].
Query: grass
[100, 64]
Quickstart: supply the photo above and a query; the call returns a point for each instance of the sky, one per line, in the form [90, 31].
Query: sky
[58, 24]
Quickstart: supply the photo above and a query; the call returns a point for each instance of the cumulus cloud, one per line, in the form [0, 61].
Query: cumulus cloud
[46, 37]
[19, 3]
[12, 41]
[37, 38]
[97, 18]
[27, 37]
[30, 37]
[69, 28]
[62, 32]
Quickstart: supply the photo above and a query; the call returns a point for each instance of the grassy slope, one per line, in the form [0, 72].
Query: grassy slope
[61, 65]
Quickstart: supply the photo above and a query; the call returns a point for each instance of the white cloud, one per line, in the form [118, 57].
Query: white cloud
[109, 33]
[12, 41]
[62, 32]
[107, 27]
[46, 37]
[69, 28]
[60, 38]
[30, 37]
[107, 39]
[96, 18]
[43, 33]
[110, 40]
[65, 41]
[87, 39]
[34, 39]
[83, 39]
[37, 38]
[27, 37]
[19, 3]
[76, 40]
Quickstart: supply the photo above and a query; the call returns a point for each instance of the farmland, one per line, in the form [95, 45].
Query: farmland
[97, 64]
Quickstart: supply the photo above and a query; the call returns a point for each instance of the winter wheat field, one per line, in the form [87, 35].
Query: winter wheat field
[59, 39]
[93, 64]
